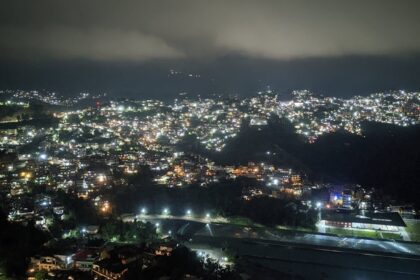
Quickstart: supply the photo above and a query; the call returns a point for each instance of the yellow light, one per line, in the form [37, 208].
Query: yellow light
[101, 178]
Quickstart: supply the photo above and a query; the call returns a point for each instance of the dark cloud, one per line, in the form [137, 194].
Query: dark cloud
[60, 42]
[336, 47]
[143, 30]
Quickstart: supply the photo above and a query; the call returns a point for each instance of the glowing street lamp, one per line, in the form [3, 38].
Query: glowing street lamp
[143, 211]
[188, 212]
[208, 215]
[165, 211]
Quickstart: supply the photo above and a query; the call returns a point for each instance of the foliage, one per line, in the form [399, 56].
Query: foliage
[340, 157]
[184, 261]
[224, 198]
[17, 244]
[138, 232]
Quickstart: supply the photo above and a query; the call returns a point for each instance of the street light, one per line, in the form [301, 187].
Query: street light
[208, 215]
[318, 204]
[165, 211]
[143, 210]
[188, 212]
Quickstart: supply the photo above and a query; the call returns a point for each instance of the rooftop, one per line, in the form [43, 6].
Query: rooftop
[351, 216]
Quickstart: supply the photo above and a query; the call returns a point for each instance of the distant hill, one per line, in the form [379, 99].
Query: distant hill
[386, 157]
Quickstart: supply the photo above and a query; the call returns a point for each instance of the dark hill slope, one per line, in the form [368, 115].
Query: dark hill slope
[386, 157]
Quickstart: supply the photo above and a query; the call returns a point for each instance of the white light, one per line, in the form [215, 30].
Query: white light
[188, 212]
[143, 210]
[318, 204]
[43, 156]
[157, 224]
[165, 211]
[208, 215]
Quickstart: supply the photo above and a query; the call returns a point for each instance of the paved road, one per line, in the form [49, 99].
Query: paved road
[313, 262]
[218, 227]
[383, 246]
[130, 218]
[307, 255]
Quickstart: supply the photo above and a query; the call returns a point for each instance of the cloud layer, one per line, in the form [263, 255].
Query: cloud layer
[58, 42]
[143, 30]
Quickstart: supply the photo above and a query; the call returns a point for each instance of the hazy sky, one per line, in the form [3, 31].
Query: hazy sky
[60, 35]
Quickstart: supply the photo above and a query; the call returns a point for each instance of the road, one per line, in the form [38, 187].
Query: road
[383, 246]
[307, 255]
[139, 217]
[314, 262]
[219, 227]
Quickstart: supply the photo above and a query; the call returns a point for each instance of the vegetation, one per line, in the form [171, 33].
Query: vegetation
[369, 160]
[17, 244]
[184, 261]
[137, 232]
[413, 230]
[224, 198]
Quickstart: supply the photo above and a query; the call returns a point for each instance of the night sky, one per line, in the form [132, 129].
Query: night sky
[127, 48]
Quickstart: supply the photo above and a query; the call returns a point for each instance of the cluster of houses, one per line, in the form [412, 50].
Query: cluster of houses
[109, 262]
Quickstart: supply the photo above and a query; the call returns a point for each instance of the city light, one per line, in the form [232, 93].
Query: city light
[176, 169]
[101, 178]
[106, 207]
